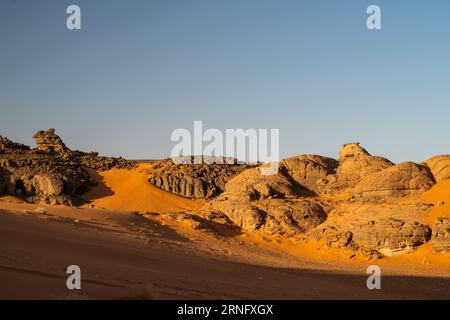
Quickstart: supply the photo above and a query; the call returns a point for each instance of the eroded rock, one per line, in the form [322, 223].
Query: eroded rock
[402, 179]
[440, 167]
[441, 236]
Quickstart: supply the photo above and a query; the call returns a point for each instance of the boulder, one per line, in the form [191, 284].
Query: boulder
[390, 236]
[307, 170]
[287, 217]
[440, 167]
[402, 179]
[350, 150]
[253, 185]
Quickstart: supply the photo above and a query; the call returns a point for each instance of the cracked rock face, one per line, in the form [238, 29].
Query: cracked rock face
[201, 181]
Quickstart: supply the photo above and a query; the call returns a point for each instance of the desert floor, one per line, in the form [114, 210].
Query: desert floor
[125, 255]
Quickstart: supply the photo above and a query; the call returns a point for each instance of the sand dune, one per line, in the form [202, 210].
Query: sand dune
[129, 190]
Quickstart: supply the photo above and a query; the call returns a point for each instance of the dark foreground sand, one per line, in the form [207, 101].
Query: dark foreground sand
[124, 255]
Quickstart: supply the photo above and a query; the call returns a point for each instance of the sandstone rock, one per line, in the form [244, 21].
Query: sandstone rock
[390, 236]
[441, 236]
[403, 179]
[253, 185]
[350, 150]
[51, 173]
[202, 181]
[288, 217]
[48, 185]
[273, 204]
[307, 170]
[48, 141]
[354, 164]
[440, 167]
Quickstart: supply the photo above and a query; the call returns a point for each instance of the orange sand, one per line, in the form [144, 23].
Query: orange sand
[440, 192]
[129, 190]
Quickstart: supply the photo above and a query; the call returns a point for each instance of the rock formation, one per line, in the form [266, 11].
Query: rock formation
[307, 189]
[50, 142]
[440, 167]
[274, 204]
[309, 170]
[202, 181]
[402, 179]
[441, 237]
[51, 172]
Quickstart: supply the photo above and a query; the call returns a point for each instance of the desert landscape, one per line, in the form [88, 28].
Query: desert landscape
[160, 230]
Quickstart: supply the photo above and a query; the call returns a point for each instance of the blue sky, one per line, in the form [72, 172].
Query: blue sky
[137, 70]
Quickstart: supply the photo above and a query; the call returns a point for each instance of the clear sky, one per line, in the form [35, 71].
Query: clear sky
[138, 69]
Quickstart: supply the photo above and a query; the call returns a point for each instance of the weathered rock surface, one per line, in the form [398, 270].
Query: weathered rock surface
[202, 181]
[273, 204]
[307, 170]
[441, 236]
[288, 217]
[253, 185]
[391, 236]
[51, 173]
[354, 164]
[49, 141]
[350, 150]
[402, 179]
[440, 167]
[386, 236]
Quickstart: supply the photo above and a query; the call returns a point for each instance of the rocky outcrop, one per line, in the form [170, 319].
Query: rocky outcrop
[402, 179]
[441, 236]
[351, 150]
[51, 172]
[354, 164]
[440, 167]
[391, 236]
[273, 204]
[50, 142]
[5, 143]
[309, 170]
[271, 216]
[253, 185]
[386, 236]
[202, 181]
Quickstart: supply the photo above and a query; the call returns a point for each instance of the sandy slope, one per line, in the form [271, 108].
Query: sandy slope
[440, 192]
[123, 255]
[128, 190]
